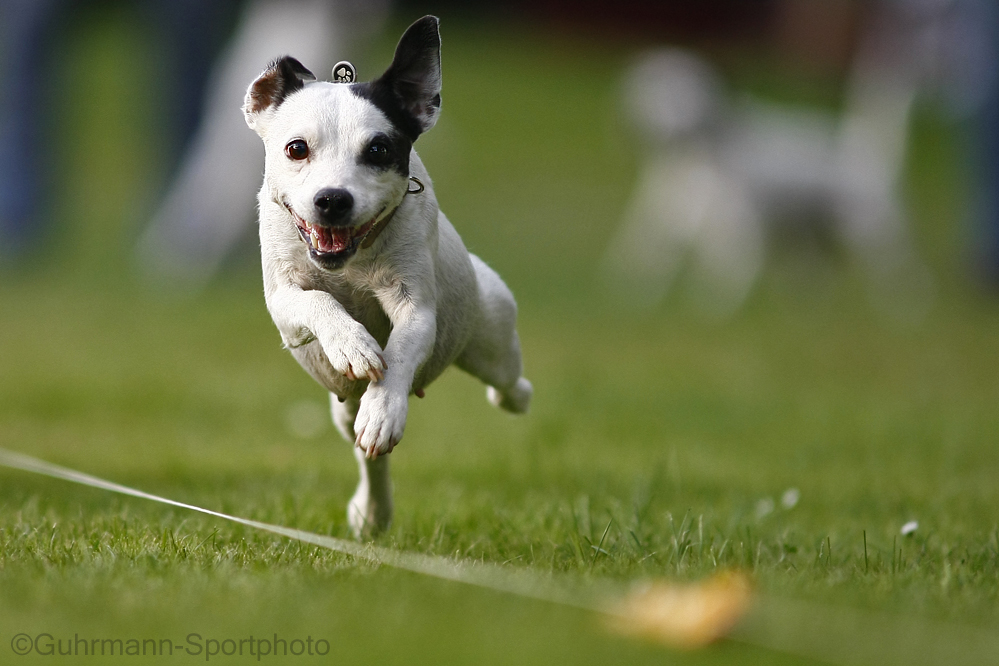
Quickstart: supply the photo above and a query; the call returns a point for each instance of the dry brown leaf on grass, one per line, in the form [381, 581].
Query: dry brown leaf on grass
[688, 615]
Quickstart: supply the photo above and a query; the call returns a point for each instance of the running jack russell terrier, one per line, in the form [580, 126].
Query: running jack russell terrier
[370, 286]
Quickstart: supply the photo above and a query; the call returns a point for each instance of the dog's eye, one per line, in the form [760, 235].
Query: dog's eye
[378, 152]
[297, 149]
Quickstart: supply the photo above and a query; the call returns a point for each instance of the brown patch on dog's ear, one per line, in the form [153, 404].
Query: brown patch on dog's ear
[281, 78]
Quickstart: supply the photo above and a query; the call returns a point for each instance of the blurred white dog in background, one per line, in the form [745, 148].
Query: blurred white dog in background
[719, 175]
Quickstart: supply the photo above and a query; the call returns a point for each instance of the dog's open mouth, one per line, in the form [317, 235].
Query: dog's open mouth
[331, 245]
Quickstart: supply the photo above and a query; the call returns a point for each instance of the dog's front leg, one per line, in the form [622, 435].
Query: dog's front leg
[301, 314]
[384, 405]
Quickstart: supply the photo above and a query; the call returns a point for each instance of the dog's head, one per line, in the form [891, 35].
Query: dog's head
[338, 154]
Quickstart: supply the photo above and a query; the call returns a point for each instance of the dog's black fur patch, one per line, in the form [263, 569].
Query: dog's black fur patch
[385, 99]
[397, 157]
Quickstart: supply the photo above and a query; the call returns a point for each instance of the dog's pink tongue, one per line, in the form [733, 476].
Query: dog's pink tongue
[340, 239]
[332, 240]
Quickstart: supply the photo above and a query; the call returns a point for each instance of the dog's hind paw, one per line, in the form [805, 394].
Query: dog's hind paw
[517, 399]
[367, 516]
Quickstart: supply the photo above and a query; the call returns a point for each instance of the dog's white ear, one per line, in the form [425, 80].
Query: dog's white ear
[414, 77]
[281, 78]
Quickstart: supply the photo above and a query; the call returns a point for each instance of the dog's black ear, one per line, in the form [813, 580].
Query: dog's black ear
[281, 78]
[413, 80]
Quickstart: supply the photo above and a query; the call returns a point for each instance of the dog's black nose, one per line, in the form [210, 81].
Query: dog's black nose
[333, 204]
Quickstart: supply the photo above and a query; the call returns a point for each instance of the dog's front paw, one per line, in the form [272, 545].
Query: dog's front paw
[355, 354]
[380, 420]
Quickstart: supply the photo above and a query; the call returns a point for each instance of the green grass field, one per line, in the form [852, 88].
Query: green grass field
[659, 444]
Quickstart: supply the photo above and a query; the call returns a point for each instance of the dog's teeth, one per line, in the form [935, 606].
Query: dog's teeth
[315, 239]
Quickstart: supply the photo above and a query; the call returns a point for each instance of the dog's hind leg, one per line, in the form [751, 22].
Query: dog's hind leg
[493, 352]
[370, 509]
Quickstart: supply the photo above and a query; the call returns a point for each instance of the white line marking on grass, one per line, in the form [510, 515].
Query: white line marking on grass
[520, 582]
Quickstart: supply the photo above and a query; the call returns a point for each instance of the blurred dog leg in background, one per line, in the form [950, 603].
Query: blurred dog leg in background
[686, 202]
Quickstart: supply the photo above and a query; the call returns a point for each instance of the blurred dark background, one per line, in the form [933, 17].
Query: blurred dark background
[107, 104]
